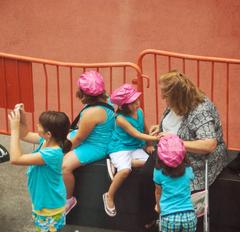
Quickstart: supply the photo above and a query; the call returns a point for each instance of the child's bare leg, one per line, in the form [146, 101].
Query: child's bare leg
[116, 183]
[70, 163]
[136, 163]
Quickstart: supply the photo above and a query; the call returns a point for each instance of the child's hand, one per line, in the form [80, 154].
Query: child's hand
[14, 118]
[162, 134]
[154, 130]
[20, 107]
[150, 149]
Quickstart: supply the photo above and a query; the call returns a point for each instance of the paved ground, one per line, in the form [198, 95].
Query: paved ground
[15, 206]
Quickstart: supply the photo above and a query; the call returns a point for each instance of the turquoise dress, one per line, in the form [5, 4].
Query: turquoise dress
[45, 182]
[121, 140]
[94, 147]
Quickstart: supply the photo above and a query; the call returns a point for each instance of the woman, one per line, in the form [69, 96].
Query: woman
[194, 118]
[94, 131]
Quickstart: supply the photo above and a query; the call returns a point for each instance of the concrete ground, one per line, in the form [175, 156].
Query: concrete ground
[15, 205]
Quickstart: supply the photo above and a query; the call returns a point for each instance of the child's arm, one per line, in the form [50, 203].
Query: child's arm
[16, 156]
[132, 131]
[90, 118]
[158, 191]
[149, 148]
[25, 134]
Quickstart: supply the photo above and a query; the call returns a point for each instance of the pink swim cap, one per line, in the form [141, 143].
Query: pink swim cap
[91, 83]
[171, 150]
[125, 94]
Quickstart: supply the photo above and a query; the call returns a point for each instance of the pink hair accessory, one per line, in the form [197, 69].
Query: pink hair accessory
[91, 83]
[171, 150]
[125, 94]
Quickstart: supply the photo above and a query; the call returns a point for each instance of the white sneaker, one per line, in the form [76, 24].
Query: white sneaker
[111, 169]
[71, 202]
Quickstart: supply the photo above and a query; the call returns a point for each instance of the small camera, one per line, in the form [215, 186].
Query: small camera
[19, 107]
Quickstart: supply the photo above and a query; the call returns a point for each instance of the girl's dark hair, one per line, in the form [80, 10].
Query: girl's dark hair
[170, 171]
[87, 99]
[124, 109]
[58, 124]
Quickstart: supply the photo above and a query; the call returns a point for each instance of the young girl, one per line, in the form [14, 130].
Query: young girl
[126, 147]
[45, 181]
[172, 176]
[94, 131]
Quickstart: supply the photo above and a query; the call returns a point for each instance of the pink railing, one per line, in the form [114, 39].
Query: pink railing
[45, 84]
[217, 77]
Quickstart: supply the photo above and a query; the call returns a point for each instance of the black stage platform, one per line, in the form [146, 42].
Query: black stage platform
[135, 200]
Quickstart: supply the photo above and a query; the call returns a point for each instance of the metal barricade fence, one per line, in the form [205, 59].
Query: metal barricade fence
[51, 85]
[217, 77]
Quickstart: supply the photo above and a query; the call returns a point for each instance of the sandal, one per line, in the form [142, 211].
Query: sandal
[109, 211]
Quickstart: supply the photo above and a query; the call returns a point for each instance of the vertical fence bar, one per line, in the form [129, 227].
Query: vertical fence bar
[58, 89]
[33, 116]
[46, 89]
[156, 86]
[227, 102]
[124, 74]
[111, 85]
[184, 65]
[169, 63]
[212, 81]
[19, 83]
[198, 74]
[71, 92]
[5, 82]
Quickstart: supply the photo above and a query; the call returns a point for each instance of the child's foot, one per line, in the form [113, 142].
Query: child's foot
[111, 169]
[110, 211]
[71, 202]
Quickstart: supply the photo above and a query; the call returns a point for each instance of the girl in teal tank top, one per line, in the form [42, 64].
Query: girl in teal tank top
[91, 139]
[126, 148]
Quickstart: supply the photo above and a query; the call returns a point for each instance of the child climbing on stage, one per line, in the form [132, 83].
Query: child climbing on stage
[45, 181]
[172, 176]
[128, 140]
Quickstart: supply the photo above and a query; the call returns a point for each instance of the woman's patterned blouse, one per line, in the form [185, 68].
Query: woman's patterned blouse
[203, 123]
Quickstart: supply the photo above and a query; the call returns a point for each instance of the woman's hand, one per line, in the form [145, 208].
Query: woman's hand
[150, 149]
[154, 130]
[14, 118]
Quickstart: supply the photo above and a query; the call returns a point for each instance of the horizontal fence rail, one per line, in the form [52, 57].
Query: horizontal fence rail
[217, 77]
[51, 85]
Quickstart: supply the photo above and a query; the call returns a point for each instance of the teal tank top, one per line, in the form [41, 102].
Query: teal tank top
[121, 140]
[101, 135]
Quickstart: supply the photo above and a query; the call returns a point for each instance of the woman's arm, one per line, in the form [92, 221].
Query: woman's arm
[90, 118]
[132, 131]
[202, 146]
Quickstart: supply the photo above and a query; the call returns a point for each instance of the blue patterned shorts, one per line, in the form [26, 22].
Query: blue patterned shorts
[179, 222]
[49, 223]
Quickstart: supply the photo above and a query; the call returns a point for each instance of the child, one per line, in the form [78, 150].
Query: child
[90, 140]
[172, 176]
[45, 181]
[126, 147]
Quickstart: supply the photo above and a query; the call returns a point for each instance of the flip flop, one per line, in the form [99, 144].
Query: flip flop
[109, 211]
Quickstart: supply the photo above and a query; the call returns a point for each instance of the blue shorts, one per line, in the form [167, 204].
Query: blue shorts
[182, 221]
[87, 152]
